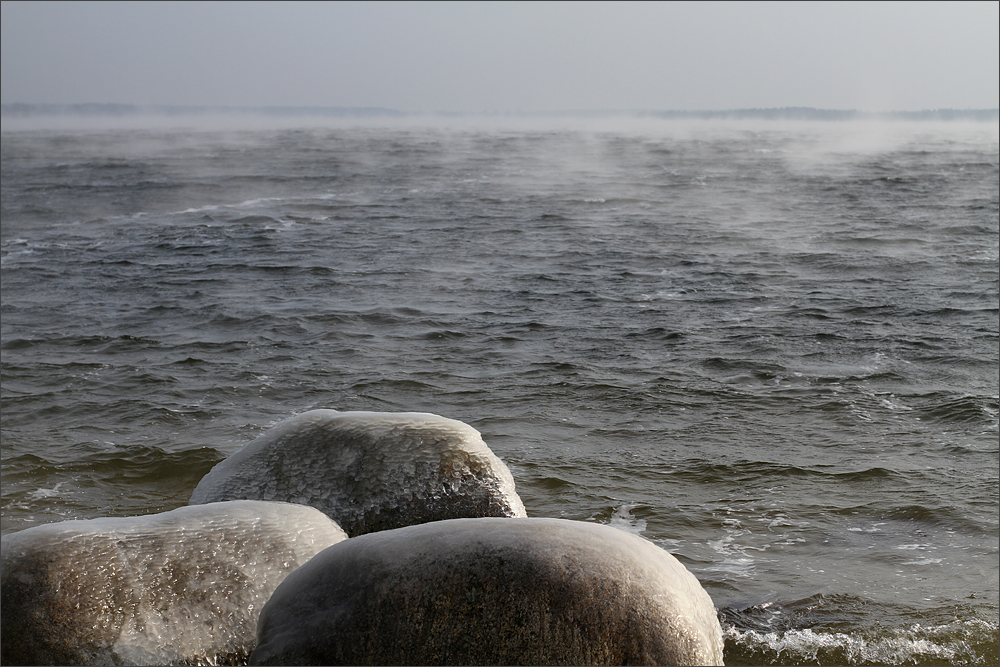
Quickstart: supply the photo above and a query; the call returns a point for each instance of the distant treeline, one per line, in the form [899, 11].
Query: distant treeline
[783, 113]
[808, 113]
[99, 110]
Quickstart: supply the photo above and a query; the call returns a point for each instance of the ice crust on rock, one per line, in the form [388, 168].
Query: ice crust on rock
[491, 591]
[369, 471]
[181, 587]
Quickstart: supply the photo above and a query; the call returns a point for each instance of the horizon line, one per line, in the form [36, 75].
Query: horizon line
[29, 109]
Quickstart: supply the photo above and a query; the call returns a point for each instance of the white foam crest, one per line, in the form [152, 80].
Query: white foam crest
[735, 559]
[249, 203]
[16, 249]
[993, 415]
[622, 519]
[953, 642]
[199, 209]
[40, 493]
[920, 559]
[873, 528]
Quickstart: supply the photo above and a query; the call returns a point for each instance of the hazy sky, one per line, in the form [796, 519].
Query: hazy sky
[505, 56]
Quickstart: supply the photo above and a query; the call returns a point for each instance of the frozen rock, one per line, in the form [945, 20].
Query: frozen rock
[369, 471]
[184, 586]
[491, 591]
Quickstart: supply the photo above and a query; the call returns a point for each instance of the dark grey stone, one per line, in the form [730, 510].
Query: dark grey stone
[369, 471]
[181, 587]
[491, 591]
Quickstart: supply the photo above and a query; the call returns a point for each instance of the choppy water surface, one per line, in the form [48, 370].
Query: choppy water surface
[770, 349]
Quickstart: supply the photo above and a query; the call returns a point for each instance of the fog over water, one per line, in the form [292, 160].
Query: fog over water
[769, 348]
[766, 341]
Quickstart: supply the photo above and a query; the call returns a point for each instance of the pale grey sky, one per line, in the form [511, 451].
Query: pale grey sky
[482, 56]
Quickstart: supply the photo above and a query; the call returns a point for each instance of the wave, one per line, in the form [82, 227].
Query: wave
[759, 472]
[727, 375]
[970, 642]
[838, 629]
[961, 410]
[39, 490]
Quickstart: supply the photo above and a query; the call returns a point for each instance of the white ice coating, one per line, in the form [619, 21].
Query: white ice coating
[181, 586]
[491, 591]
[369, 471]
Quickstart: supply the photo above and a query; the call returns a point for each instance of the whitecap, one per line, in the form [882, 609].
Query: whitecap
[735, 559]
[924, 561]
[622, 519]
[38, 494]
[905, 645]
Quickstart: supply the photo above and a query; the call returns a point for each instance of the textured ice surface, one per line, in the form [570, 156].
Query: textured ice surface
[184, 586]
[491, 591]
[369, 471]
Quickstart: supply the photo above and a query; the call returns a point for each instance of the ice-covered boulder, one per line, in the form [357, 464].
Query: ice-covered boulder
[491, 591]
[181, 587]
[369, 471]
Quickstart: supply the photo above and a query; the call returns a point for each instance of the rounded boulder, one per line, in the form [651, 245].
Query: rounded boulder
[180, 587]
[369, 471]
[491, 591]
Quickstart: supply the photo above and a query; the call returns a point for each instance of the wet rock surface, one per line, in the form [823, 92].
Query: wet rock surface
[491, 591]
[369, 471]
[181, 587]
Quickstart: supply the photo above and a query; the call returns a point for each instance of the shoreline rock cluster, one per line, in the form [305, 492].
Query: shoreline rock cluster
[165, 588]
[350, 538]
[369, 471]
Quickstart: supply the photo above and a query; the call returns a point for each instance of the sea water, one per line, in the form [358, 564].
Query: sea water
[770, 349]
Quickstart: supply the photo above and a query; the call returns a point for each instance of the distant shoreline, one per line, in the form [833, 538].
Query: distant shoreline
[21, 110]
